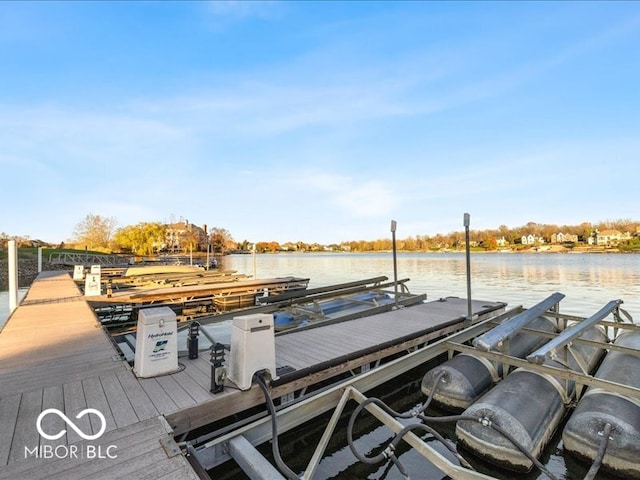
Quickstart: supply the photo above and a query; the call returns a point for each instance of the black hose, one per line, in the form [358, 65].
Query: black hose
[597, 462]
[388, 453]
[274, 430]
[497, 428]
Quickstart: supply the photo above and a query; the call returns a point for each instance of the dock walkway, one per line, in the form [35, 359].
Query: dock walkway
[55, 354]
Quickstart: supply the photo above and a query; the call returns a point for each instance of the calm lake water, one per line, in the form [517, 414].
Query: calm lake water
[4, 304]
[589, 281]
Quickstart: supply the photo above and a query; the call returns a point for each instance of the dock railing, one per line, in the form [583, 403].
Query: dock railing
[88, 259]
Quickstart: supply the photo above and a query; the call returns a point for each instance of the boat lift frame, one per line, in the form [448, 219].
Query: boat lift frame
[225, 447]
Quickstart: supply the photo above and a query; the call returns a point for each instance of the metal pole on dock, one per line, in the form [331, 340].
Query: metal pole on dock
[39, 259]
[12, 257]
[467, 222]
[254, 262]
[395, 263]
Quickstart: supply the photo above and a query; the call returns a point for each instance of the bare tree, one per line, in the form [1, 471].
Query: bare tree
[95, 231]
[221, 240]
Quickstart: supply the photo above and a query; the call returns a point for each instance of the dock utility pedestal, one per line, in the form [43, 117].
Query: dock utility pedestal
[252, 348]
[156, 342]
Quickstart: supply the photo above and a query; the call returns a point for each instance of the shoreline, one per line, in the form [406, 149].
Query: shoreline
[27, 272]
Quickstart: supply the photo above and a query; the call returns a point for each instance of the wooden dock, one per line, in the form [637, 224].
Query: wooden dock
[55, 354]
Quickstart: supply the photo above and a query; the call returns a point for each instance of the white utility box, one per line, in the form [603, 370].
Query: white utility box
[78, 272]
[252, 348]
[92, 286]
[96, 269]
[156, 342]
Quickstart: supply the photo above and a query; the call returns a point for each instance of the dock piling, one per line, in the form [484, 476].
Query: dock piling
[13, 274]
[395, 263]
[467, 221]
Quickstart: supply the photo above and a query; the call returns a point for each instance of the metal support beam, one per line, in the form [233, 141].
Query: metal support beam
[451, 469]
[563, 374]
[493, 338]
[550, 349]
[251, 460]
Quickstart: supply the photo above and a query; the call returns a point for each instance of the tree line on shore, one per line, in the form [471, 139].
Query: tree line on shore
[101, 233]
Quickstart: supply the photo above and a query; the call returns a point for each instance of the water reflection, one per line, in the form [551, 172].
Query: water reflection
[589, 281]
[4, 304]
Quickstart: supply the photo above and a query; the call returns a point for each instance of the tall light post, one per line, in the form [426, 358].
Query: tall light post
[395, 263]
[467, 222]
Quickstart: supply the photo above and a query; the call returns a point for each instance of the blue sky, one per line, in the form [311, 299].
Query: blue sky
[318, 121]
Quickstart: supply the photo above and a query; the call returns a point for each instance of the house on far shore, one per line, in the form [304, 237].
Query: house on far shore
[179, 234]
[609, 237]
[532, 239]
[563, 237]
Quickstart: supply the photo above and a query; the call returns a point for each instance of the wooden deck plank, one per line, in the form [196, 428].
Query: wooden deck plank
[202, 379]
[175, 391]
[183, 473]
[96, 398]
[202, 363]
[74, 403]
[26, 434]
[26, 380]
[137, 467]
[140, 401]
[33, 468]
[9, 407]
[195, 391]
[163, 403]
[123, 412]
[53, 397]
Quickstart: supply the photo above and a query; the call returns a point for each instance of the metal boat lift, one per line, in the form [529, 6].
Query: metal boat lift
[239, 443]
